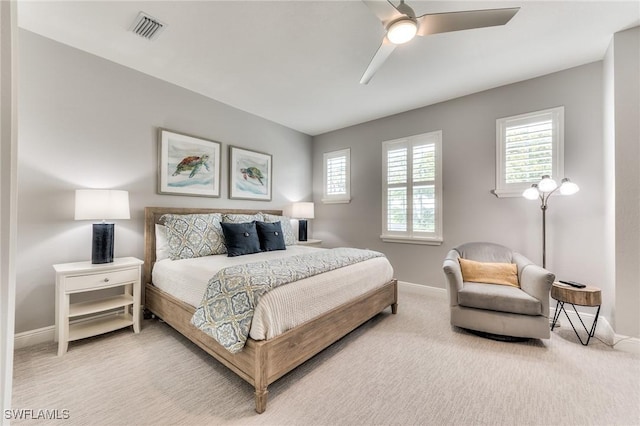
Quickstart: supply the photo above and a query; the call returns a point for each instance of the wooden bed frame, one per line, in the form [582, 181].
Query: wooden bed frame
[261, 362]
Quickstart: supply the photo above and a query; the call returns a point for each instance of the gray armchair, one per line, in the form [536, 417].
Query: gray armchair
[499, 309]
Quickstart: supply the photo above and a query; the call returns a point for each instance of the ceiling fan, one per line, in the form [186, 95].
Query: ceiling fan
[402, 25]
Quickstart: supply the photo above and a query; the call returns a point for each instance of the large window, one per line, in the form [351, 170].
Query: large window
[412, 189]
[528, 146]
[337, 176]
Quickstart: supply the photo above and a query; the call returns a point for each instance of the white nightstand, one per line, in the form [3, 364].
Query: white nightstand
[99, 315]
[310, 242]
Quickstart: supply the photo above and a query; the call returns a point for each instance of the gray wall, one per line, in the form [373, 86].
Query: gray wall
[86, 122]
[575, 232]
[622, 90]
[8, 150]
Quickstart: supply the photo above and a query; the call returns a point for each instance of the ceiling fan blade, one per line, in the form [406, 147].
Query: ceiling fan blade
[384, 10]
[385, 49]
[456, 21]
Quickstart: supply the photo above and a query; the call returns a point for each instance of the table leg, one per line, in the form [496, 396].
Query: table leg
[556, 315]
[590, 333]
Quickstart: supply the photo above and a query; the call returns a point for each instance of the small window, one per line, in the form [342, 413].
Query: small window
[337, 176]
[528, 146]
[412, 189]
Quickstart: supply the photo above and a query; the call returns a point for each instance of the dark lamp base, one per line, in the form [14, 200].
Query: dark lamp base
[302, 230]
[102, 247]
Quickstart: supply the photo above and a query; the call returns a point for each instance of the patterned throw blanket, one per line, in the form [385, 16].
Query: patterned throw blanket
[228, 304]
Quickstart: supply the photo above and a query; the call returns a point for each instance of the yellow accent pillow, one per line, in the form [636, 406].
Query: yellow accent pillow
[490, 273]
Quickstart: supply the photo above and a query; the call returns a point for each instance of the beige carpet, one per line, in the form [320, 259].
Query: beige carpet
[410, 368]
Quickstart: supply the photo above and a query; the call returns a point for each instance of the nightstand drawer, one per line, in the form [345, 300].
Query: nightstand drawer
[105, 279]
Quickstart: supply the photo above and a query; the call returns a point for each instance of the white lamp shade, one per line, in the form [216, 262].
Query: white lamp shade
[547, 184]
[531, 193]
[302, 210]
[101, 204]
[568, 187]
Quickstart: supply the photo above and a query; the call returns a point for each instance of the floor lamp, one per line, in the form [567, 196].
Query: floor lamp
[542, 191]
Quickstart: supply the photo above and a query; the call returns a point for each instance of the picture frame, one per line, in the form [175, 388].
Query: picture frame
[250, 174]
[188, 165]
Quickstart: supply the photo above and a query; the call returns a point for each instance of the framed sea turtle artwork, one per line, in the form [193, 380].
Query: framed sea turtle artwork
[249, 174]
[188, 165]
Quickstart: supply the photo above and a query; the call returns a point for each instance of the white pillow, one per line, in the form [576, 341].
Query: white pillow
[162, 244]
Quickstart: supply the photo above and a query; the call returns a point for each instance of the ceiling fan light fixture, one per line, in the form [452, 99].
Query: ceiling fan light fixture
[402, 31]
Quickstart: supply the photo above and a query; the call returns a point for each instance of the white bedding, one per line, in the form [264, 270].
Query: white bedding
[286, 306]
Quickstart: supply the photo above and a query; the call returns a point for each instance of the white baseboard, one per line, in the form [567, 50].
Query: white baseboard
[48, 334]
[438, 292]
[604, 331]
[627, 344]
[34, 337]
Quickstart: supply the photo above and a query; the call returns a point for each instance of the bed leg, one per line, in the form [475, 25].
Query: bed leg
[261, 400]
[394, 305]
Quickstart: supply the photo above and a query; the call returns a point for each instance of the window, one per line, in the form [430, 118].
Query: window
[528, 146]
[412, 189]
[337, 176]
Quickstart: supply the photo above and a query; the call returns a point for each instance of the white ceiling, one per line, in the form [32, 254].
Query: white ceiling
[298, 63]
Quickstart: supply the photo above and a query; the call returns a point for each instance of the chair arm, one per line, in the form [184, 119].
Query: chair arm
[452, 271]
[537, 282]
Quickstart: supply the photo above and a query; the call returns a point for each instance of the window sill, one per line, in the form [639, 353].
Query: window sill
[508, 193]
[409, 240]
[336, 201]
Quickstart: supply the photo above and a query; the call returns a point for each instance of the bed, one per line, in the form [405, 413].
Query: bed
[260, 362]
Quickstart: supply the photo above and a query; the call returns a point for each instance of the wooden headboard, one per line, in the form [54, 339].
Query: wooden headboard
[152, 217]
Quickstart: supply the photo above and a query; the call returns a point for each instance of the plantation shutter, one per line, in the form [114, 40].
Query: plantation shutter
[528, 146]
[529, 151]
[397, 171]
[411, 187]
[424, 174]
[337, 176]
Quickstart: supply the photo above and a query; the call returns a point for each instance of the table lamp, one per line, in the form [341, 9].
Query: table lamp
[102, 204]
[302, 212]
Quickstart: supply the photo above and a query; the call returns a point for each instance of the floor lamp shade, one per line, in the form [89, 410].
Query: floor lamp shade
[542, 191]
[102, 204]
[302, 211]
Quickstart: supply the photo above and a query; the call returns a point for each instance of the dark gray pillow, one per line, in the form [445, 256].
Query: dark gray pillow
[271, 236]
[241, 238]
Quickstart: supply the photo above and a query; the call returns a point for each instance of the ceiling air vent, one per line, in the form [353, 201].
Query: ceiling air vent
[147, 26]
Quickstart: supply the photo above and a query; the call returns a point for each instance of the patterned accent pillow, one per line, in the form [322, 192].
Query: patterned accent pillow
[242, 218]
[194, 235]
[285, 223]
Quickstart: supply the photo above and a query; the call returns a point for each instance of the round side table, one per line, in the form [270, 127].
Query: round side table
[587, 296]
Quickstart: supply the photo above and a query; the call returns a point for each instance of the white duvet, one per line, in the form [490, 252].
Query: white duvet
[286, 306]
